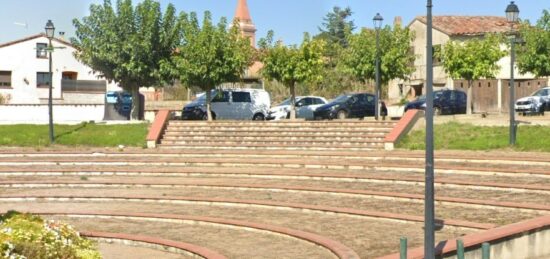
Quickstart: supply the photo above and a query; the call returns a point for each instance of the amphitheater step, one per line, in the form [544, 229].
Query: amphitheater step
[285, 135]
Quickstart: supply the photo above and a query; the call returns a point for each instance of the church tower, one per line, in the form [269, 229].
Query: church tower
[248, 29]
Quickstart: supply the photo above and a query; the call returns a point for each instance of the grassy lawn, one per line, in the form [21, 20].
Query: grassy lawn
[85, 134]
[460, 136]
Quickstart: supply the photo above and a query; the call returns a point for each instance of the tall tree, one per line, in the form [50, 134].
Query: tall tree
[292, 64]
[126, 44]
[359, 59]
[210, 55]
[472, 60]
[534, 56]
[337, 26]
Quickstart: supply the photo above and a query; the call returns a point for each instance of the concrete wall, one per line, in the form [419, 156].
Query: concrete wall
[38, 113]
[20, 58]
[533, 244]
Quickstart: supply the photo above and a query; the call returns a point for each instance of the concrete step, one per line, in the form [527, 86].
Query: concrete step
[278, 134]
[260, 130]
[260, 138]
[285, 123]
[265, 146]
[330, 142]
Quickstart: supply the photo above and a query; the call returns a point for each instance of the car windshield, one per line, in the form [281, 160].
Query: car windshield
[422, 98]
[287, 101]
[342, 98]
[539, 92]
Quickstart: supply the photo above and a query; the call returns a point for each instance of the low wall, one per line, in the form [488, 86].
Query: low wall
[527, 239]
[62, 113]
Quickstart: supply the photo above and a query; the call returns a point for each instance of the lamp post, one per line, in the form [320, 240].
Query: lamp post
[512, 14]
[50, 30]
[377, 25]
[429, 210]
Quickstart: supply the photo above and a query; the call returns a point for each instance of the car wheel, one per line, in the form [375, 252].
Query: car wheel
[288, 115]
[341, 115]
[204, 116]
[258, 117]
[541, 110]
[437, 111]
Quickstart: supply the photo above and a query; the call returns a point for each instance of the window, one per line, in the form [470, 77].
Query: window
[42, 79]
[318, 101]
[221, 97]
[5, 79]
[241, 97]
[41, 50]
[370, 99]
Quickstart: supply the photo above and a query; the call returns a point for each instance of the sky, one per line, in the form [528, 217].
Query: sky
[289, 19]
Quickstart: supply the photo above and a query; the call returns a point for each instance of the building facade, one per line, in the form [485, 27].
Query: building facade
[78, 93]
[488, 95]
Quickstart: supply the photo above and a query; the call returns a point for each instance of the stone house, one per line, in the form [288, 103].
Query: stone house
[489, 95]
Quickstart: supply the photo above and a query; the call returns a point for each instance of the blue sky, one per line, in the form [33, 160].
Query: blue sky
[288, 18]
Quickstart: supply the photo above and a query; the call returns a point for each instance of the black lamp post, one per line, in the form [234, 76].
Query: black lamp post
[50, 30]
[377, 25]
[512, 14]
[429, 207]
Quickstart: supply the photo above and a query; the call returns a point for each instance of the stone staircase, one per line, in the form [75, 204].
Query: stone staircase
[280, 135]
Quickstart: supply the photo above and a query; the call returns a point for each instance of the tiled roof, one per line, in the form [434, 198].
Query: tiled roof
[468, 25]
[2, 45]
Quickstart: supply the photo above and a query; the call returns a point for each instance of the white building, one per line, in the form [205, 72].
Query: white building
[24, 82]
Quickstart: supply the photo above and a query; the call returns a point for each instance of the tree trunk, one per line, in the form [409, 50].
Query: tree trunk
[208, 106]
[136, 105]
[469, 98]
[292, 101]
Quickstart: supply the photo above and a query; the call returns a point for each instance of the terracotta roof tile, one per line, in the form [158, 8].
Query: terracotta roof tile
[469, 25]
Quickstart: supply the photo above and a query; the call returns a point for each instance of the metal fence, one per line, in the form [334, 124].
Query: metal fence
[94, 86]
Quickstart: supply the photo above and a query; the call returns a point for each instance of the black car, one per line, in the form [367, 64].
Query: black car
[445, 102]
[357, 105]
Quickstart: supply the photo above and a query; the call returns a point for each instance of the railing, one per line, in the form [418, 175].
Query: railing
[95, 86]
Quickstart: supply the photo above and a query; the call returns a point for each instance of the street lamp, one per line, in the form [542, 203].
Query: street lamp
[429, 207]
[377, 25]
[50, 30]
[512, 14]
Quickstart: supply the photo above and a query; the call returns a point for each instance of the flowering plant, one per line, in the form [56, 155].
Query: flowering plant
[27, 236]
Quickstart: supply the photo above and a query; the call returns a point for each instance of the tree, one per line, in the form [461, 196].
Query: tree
[292, 64]
[359, 60]
[210, 55]
[472, 60]
[534, 56]
[128, 44]
[336, 27]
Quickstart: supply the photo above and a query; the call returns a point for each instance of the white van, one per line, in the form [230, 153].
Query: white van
[230, 104]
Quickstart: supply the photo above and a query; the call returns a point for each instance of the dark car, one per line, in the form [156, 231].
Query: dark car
[357, 105]
[445, 102]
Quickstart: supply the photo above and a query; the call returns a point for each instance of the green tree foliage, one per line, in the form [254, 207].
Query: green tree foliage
[210, 55]
[126, 44]
[336, 27]
[359, 60]
[534, 56]
[472, 60]
[290, 65]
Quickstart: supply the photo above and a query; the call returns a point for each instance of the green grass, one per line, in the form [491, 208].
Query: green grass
[460, 136]
[84, 134]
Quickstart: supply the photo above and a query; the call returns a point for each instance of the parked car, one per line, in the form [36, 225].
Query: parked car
[537, 102]
[445, 102]
[305, 106]
[356, 105]
[233, 104]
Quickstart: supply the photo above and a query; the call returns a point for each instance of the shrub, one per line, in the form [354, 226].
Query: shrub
[29, 236]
